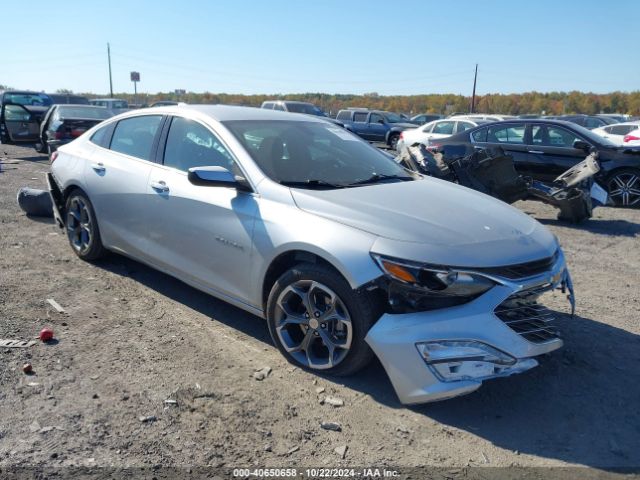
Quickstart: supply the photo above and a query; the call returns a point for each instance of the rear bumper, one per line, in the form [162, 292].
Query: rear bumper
[394, 340]
[57, 199]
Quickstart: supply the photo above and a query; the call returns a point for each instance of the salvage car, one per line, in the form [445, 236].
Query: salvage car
[544, 149]
[64, 123]
[20, 115]
[306, 225]
[435, 130]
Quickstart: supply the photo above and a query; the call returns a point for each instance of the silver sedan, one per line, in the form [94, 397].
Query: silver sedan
[343, 252]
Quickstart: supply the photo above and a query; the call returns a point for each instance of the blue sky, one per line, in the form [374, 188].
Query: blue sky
[331, 46]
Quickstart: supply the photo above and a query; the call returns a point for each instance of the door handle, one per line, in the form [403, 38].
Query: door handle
[159, 186]
[536, 151]
[98, 167]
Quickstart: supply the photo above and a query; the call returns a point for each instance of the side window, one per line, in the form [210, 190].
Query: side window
[191, 144]
[360, 117]
[593, 123]
[268, 105]
[552, 136]
[559, 137]
[134, 136]
[462, 126]
[16, 113]
[608, 130]
[506, 134]
[101, 136]
[344, 115]
[428, 128]
[480, 135]
[445, 128]
[620, 129]
[278, 106]
[375, 118]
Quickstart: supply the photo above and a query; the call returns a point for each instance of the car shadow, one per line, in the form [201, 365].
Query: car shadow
[618, 228]
[579, 406]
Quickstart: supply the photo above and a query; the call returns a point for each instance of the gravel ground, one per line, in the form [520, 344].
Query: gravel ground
[132, 338]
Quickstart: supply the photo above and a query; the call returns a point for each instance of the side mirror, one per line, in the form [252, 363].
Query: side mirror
[381, 122]
[581, 145]
[217, 177]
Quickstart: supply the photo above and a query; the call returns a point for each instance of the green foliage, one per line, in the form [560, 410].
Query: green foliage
[551, 103]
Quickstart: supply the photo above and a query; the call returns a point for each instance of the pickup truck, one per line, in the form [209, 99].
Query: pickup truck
[375, 125]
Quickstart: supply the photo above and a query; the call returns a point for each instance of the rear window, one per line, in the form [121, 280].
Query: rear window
[97, 113]
[360, 117]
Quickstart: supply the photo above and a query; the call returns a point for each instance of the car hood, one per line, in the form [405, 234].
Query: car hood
[434, 221]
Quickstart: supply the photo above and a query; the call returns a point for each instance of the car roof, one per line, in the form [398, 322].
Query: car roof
[224, 113]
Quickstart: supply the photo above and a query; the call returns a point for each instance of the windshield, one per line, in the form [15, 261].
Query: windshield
[305, 108]
[314, 154]
[393, 118]
[28, 99]
[99, 113]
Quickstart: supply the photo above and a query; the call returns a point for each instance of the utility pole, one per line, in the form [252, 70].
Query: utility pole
[110, 80]
[473, 97]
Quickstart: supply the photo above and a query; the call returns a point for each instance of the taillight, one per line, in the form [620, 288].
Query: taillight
[630, 138]
[54, 155]
[59, 135]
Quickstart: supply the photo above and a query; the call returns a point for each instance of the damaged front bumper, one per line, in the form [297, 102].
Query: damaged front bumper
[439, 354]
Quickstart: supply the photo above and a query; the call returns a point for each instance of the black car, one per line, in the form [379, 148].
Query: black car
[586, 121]
[64, 123]
[20, 115]
[68, 99]
[543, 149]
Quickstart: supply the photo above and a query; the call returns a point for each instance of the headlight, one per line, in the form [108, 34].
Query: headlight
[433, 280]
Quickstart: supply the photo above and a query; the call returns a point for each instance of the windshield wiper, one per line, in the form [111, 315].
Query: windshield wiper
[311, 183]
[379, 177]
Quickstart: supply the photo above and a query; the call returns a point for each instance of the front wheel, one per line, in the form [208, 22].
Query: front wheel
[318, 322]
[82, 227]
[624, 187]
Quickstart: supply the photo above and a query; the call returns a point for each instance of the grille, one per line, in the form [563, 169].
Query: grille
[522, 270]
[524, 315]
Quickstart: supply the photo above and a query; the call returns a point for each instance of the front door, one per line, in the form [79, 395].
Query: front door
[202, 233]
[19, 124]
[552, 152]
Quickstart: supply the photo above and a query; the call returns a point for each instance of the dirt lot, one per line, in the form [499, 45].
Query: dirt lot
[132, 338]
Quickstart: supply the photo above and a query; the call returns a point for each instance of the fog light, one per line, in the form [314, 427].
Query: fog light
[464, 360]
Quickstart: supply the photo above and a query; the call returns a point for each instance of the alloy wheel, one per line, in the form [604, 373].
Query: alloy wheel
[624, 189]
[313, 324]
[79, 226]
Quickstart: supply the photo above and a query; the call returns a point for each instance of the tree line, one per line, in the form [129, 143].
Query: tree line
[551, 103]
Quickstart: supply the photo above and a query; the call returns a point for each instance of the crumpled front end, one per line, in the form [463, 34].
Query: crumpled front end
[442, 353]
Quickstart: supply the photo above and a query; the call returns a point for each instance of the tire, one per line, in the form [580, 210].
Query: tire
[393, 140]
[301, 335]
[81, 226]
[623, 187]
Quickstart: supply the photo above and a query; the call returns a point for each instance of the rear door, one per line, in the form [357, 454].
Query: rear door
[360, 124]
[511, 138]
[117, 178]
[19, 124]
[551, 151]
